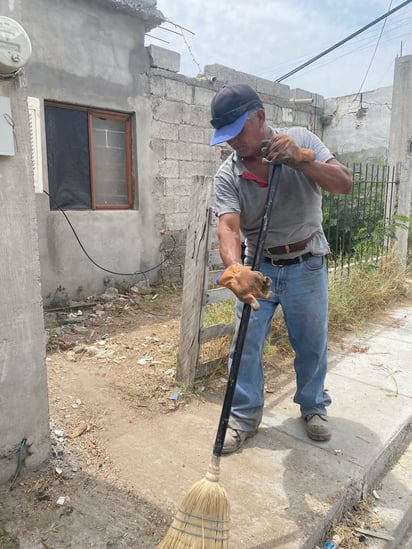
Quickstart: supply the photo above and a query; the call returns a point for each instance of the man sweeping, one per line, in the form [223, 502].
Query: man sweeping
[294, 254]
[278, 210]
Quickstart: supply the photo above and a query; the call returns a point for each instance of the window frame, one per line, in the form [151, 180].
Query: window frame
[127, 118]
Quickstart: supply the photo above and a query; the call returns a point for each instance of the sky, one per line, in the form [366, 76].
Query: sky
[269, 38]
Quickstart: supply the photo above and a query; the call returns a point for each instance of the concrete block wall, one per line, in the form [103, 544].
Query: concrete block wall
[181, 132]
[356, 127]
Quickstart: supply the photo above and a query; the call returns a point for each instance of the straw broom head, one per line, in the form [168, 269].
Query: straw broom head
[202, 521]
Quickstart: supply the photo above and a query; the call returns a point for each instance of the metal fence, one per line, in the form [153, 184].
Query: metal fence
[359, 226]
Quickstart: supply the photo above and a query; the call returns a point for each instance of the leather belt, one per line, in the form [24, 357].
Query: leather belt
[287, 248]
[282, 262]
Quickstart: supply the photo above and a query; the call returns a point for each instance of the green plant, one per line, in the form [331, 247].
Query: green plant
[371, 240]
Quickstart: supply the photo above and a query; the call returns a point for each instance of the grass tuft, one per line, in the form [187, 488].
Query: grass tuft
[355, 299]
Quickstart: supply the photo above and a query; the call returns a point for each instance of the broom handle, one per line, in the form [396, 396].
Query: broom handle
[244, 320]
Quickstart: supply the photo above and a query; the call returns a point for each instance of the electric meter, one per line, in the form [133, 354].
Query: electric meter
[15, 46]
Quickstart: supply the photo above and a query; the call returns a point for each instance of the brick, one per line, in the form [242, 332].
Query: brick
[168, 168]
[169, 111]
[158, 146]
[157, 86]
[179, 187]
[177, 204]
[204, 97]
[164, 59]
[190, 169]
[178, 150]
[164, 130]
[178, 91]
[197, 116]
[204, 153]
[191, 134]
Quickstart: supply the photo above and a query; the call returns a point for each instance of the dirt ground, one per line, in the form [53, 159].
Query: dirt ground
[110, 359]
[111, 362]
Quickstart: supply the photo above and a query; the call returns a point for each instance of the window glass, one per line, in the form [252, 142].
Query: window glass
[109, 159]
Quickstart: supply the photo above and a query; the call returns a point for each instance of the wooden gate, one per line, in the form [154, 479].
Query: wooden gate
[202, 266]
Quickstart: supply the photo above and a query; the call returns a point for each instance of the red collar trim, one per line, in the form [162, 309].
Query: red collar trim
[253, 177]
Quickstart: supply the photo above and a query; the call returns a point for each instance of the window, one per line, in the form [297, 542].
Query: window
[89, 158]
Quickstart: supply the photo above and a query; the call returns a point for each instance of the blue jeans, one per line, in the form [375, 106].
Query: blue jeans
[302, 291]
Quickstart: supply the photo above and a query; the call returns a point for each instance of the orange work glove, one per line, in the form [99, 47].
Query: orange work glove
[282, 149]
[246, 284]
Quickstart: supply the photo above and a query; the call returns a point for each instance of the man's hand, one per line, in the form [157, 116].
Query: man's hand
[282, 149]
[246, 284]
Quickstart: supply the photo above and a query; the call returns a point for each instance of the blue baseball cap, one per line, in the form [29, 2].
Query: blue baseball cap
[230, 108]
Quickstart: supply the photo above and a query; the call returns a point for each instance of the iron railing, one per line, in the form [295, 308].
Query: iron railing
[359, 226]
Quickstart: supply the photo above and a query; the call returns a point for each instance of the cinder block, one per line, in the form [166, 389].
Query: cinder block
[165, 130]
[177, 90]
[170, 111]
[164, 59]
[204, 96]
[178, 151]
[204, 153]
[157, 86]
[168, 168]
[191, 134]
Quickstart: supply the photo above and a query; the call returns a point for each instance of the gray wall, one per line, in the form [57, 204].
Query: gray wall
[23, 387]
[87, 55]
[181, 133]
[356, 127]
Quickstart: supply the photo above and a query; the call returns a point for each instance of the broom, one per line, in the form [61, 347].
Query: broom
[202, 520]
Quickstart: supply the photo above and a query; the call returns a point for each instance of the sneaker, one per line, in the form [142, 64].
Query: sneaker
[317, 427]
[235, 438]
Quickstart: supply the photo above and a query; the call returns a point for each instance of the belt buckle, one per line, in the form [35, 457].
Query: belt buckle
[276, 262]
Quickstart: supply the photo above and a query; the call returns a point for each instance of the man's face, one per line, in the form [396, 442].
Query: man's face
[248, 142]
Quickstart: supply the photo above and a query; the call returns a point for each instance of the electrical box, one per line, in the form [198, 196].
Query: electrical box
[6, 128]
[15, 46]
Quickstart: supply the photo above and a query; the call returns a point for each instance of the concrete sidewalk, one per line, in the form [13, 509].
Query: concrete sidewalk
[284, 489]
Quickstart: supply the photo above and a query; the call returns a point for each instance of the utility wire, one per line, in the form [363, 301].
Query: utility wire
[181, 33]
[358, 49]
[373, 56]
[99, 266]
[328, 50]
[393, 30]
[190, 52]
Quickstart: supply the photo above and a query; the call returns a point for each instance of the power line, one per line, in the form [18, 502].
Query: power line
[373, 55]
[394, 29]
[328, 50]
[326, 62]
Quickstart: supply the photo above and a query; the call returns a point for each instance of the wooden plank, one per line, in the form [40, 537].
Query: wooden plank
[216, 295]
[214, 258]
[194, 278]
[206, 368]
[211, 277]
[217, 330]
[372, 533]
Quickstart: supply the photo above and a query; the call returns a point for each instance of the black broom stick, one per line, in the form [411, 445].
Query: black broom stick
[244, 320]
[202, 520]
